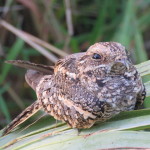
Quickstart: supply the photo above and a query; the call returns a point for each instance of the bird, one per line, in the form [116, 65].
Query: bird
[84, 88]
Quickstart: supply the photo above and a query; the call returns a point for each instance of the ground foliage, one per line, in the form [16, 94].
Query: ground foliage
[123, 21]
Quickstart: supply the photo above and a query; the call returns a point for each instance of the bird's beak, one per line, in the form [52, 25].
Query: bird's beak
[124, 62]
[120, 66]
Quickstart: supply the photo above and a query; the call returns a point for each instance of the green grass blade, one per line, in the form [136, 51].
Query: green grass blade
[4, 109]
[13, 53]
[144, 21]
[123, 34]
[139, 44]
[100, 23]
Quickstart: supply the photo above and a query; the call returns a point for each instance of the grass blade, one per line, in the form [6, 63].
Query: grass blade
[4, 109]
[13, 53]
[26, 38]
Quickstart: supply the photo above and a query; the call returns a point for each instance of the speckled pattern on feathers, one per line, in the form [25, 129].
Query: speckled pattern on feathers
[88, 87]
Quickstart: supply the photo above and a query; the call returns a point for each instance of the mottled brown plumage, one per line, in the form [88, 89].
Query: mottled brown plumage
[87, 87]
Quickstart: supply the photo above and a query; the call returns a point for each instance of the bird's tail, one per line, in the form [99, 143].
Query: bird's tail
[27, 113]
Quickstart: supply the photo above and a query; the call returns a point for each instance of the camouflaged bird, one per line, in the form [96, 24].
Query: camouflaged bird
[84, 88]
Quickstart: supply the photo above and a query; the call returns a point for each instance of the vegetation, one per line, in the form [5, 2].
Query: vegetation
[43, 31]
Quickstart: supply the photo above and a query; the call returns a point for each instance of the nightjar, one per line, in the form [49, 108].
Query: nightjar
[84, 88]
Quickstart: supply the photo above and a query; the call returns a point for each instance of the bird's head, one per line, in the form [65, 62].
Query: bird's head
[104, 58]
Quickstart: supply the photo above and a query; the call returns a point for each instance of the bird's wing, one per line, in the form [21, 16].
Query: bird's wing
[35, 71]
[28, 65]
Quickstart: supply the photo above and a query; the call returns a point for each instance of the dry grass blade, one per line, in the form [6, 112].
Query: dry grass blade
[69, 23]
[16, 98]
[27, 39]
[46, 45]
[69, 17]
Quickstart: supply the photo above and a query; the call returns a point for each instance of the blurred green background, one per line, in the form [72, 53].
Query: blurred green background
[70, 25]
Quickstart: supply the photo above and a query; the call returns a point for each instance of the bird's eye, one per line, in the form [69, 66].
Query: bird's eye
[96, 56]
